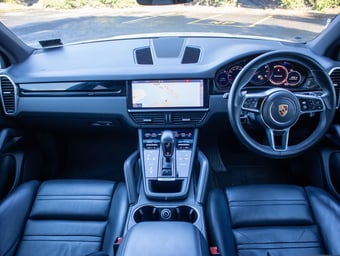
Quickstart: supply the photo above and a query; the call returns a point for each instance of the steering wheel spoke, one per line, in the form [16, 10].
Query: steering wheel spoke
[278, 139]
[311, 103]
[252, 102]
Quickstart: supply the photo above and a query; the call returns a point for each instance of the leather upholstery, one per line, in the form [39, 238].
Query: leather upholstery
[274, 220]
[63, 217]
[163, 238]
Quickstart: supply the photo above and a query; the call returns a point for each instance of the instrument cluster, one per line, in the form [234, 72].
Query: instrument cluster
[276, 74]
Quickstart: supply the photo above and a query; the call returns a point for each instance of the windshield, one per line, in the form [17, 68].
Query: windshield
[75, 21]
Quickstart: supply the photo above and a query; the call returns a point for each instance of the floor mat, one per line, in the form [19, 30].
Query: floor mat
[97, 157]
[244, 167]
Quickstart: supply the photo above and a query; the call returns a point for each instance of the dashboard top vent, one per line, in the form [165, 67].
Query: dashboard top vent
[191, 55]
[9, 96]
[144, 56]
[335, 76]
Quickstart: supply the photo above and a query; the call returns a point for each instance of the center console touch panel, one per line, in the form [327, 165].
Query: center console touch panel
[167, 158]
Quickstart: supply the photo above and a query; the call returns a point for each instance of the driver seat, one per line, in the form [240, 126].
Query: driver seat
[273, 220]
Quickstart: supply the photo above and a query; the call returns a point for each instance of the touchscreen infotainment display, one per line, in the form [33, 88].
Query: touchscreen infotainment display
[167, 93]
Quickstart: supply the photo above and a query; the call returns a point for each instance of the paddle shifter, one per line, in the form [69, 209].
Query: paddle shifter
[168, 146]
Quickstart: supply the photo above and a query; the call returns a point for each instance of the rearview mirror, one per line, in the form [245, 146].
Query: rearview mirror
[162, 2]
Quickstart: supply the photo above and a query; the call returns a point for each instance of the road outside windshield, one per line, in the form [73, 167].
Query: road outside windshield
[35, 21]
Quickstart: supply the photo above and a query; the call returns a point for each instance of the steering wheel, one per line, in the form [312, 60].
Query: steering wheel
[279, 109]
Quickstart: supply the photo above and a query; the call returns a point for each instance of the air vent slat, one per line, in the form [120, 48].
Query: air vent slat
[8, 95]
[335, 76]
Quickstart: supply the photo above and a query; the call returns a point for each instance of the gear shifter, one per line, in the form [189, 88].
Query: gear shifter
[167, 145]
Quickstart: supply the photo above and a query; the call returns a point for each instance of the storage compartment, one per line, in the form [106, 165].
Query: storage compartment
[152, 213]
[174, 186]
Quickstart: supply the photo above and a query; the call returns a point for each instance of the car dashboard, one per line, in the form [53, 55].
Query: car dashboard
[102, 82]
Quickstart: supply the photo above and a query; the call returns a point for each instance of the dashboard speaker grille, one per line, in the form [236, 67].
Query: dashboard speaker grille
[8, 95]
[144, 56]
[335, 76]
[191, 55]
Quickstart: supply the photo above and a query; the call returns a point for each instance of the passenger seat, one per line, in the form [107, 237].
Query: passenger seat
[274, 220]
[62, 217]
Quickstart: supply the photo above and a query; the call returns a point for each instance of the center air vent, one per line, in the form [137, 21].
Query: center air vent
[159, 118]
[149, 117]
[8, 95]
[187, 117]
[335, 76]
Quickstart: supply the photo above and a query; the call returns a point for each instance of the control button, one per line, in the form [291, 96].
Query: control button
[166, 214]
[250, 103]
[166, 172]
[311, 104]
[151, 163]
[183, 158]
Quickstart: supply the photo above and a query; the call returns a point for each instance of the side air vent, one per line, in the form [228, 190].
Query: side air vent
[335, 76]
[149, 117]
[144, 56]
[8, 95]
[191, 55]
[187, 117]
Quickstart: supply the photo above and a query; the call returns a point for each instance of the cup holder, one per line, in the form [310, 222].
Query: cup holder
[152, 213]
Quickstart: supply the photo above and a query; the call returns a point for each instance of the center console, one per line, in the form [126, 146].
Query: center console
[166, 181]
[167, 160]
[167, 176]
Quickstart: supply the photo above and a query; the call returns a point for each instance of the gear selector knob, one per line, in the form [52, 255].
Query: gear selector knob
[167, 143]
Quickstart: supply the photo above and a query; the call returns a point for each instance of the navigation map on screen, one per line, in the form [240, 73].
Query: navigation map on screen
[167, 93]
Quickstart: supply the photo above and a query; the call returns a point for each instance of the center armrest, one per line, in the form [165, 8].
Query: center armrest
[163, 238]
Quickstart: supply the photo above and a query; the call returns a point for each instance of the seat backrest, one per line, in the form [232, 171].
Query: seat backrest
[67, 217]
[269, 220]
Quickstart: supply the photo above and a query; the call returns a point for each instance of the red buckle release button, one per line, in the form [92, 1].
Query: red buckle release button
[214, 250]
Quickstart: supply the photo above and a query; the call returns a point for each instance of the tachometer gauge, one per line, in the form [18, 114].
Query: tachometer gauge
[261, 75]
[233, 72]
[294, 78]
[279, 75]
[222, 80]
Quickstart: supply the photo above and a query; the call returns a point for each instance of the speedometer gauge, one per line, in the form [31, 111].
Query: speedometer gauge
[294, 78]
[279, 75]
[233, 72]
[261, 75]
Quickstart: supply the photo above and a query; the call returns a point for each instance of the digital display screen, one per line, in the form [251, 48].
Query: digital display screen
[167, 93]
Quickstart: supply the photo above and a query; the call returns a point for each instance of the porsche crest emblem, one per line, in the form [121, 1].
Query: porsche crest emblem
[283, 109]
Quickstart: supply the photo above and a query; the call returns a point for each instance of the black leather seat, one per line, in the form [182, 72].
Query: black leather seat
[274, 220]
[62, 217]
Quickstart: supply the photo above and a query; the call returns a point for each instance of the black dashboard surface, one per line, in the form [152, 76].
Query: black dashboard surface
[65, 81]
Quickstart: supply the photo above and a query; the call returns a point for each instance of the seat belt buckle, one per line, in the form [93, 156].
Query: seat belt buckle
[214, 250]
[116, 244]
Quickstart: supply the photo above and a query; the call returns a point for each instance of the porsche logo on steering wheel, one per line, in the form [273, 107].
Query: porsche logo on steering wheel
[283, 109]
